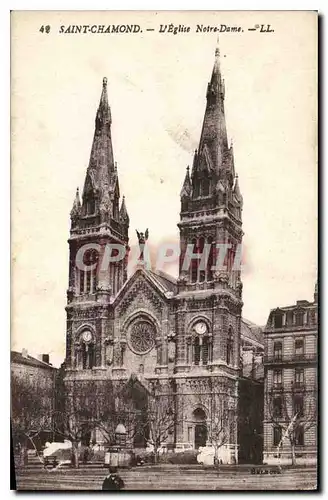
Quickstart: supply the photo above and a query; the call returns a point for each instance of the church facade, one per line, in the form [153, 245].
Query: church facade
[181, 335]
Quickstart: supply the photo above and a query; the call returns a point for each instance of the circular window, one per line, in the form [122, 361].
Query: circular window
[142, 337]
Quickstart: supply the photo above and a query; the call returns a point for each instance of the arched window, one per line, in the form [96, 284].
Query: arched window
[205, 350]
[87, 355]
[201, 344]
[116, 207]
[229, 354]
[210, 261]
[196, 351]
[194, 263]
[88, 277]
[200, 251]
[90, 204]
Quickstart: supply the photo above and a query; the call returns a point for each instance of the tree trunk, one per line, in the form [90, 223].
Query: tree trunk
[75, 455]
[216, 460]
[155, 456]
[292, 444]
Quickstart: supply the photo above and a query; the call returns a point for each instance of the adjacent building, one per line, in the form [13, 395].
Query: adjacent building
[290, 402]
[33, 388]
[251, 394]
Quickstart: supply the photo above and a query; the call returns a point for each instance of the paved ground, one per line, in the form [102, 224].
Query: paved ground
[165, 477]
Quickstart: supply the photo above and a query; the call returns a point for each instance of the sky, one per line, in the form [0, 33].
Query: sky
[157, 93]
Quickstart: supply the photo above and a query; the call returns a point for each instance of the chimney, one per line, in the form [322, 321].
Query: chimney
[24, 353]
[45, 358]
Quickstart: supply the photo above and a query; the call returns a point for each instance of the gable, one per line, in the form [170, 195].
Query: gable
[140, 292]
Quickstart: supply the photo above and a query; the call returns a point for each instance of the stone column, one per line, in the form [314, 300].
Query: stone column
[180, 338]
[201, 344]
[219, 331]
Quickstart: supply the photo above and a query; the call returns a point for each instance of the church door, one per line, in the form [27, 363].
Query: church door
[200, 435]
[200, 428]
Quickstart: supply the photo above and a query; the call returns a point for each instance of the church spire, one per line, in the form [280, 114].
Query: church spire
[124, 216]
[186, 188]
[236, 191]
[103, 114]
[213, 144]
[76, 205]
[101, 170]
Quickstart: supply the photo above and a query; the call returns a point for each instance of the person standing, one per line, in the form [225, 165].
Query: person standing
[113, 482]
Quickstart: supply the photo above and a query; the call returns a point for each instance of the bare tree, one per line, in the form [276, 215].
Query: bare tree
[219, 429]
[222, 414]
[78, 414]
[115, 405]
[292, 412]
[31, 412]
[161, 416]
[102, 405]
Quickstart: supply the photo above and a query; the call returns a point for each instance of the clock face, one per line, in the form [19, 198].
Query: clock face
[201, 327]
[87, 336]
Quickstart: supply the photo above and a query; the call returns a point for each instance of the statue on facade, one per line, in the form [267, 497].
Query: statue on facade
[142, 238]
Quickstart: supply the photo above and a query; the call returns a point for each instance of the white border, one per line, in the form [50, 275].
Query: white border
[321, 6]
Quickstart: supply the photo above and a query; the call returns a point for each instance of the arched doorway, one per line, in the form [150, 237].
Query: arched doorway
[199, 417]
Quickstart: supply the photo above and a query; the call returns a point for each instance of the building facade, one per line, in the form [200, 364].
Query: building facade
[251, 394]
[181, 336]
[290, 401]
[33, 385]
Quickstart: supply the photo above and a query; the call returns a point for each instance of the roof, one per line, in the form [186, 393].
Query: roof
[251, 331]
[18, 358]
[167, 281]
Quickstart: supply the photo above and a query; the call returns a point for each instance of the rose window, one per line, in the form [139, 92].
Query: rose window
[142, 337]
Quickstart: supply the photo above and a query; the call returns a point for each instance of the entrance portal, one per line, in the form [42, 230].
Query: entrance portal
[200, 427]
[200, 435]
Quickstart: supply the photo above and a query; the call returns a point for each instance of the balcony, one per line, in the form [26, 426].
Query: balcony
[277, 386]
[290, 359]
[298, 385]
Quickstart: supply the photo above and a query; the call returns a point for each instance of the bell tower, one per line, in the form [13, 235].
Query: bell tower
[208, 304]
[99, 231]
[211, 202]
[210, 242]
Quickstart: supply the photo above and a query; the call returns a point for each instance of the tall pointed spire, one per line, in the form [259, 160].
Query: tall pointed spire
[186, 188]
[76, 205]
[236, 191]
[213, 144]
[103, 114]
[124, 216]
[100, 174]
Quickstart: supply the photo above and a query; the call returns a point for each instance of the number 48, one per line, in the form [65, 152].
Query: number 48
[45, 29]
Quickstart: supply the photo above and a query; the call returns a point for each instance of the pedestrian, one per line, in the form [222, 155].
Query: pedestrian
[113, 481]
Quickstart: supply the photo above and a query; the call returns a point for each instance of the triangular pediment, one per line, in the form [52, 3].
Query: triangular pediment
[143, 290]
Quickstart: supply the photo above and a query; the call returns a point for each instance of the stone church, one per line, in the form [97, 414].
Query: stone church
[183, 334]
